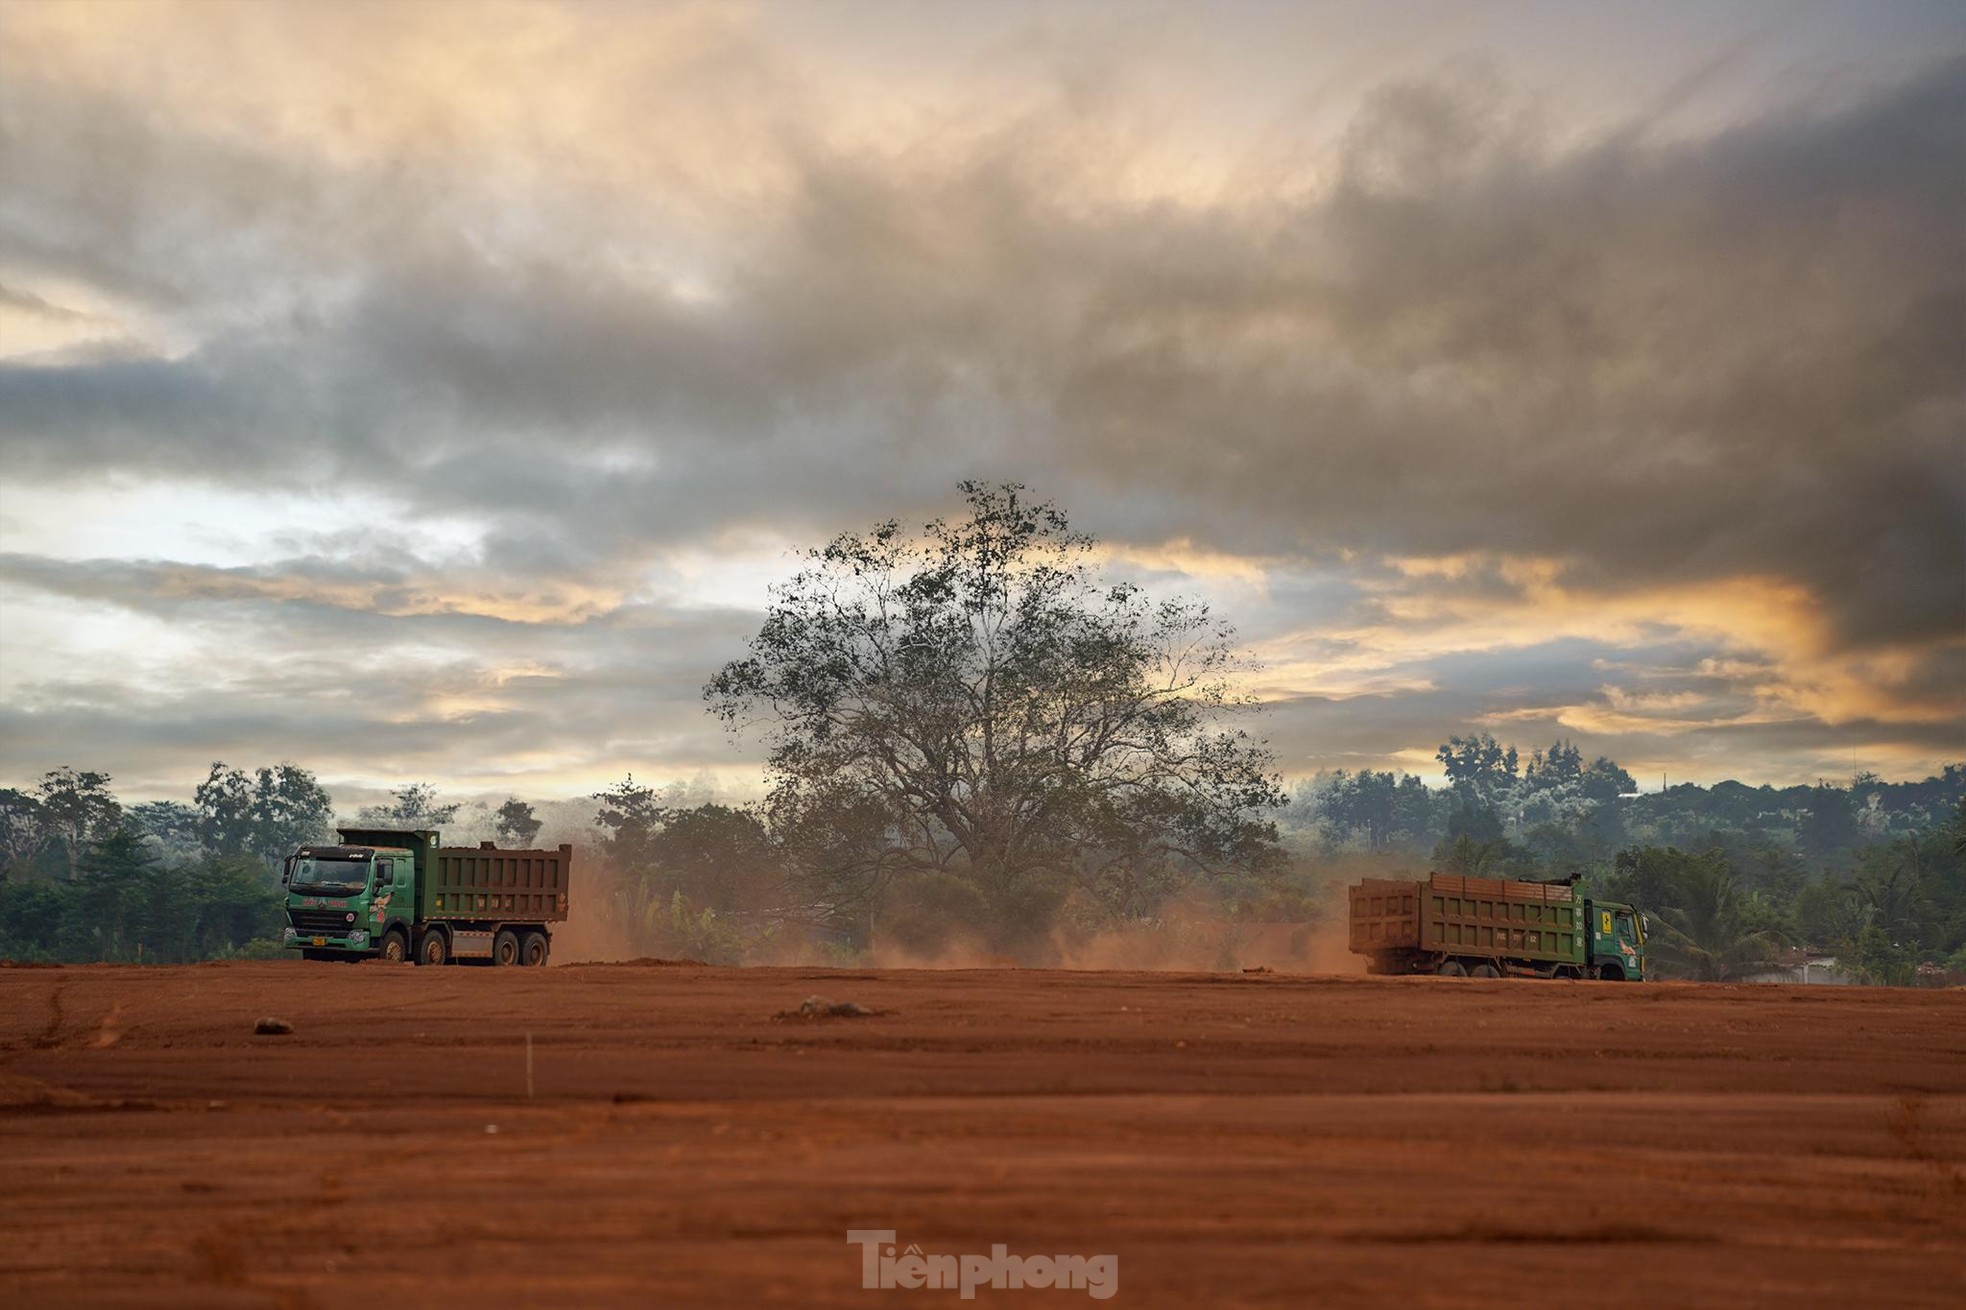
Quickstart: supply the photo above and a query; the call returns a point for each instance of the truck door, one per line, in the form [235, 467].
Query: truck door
[1630, 945]
[392, 895]
[1613, 941]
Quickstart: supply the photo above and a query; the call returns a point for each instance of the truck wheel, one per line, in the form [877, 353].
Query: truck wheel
[394, 949]
[532, 949]
[1486, 971]
[434, 950]
[505, 947]
[1611, 973]
[1451, 969]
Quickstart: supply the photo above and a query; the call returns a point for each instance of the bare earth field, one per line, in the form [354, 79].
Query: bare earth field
[1234, 1139]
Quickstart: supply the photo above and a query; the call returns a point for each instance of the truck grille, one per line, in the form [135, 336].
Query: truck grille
[320, 923]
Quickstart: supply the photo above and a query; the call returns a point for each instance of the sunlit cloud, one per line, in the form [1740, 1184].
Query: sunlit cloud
[467, 373]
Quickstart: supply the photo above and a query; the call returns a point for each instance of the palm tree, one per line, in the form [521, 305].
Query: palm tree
[1711, 935]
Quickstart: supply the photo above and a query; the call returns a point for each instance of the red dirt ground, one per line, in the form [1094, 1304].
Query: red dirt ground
[1234, 1139]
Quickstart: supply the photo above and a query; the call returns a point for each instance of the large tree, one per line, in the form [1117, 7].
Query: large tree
[1001, 711]
[266, 814]
[72, 808]
[516, 823]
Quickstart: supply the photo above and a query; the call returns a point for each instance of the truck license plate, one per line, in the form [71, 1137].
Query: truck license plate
[320, 941]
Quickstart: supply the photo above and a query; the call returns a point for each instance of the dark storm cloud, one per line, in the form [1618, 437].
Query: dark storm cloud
[1657, 361]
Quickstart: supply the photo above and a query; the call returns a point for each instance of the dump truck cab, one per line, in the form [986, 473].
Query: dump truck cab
[351, 901]
[1617, 941]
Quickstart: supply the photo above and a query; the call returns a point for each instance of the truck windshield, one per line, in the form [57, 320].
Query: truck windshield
[330, 877]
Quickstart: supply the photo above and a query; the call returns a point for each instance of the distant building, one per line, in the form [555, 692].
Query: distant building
[1800, 966]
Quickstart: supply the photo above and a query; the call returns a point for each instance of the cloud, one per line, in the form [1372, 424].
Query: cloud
[613, 284]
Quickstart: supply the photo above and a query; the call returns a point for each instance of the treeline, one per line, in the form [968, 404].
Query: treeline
[1734, 877]
[85, 878]
[1737, 877]
[88, 879]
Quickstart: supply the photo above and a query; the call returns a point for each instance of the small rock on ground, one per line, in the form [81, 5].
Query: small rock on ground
[819, 1007]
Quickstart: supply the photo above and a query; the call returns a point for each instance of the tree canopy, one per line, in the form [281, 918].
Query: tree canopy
[516, 823]
[266, 814]
[979, 700]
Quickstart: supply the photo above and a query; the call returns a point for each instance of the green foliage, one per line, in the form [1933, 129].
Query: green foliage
[1479, 762]
[1873, 873]
[127, 904]
[1707, 927]
[1562, 766]
[1826, 910]
[1829, 822]
[1379, 807]
[172, 824]
[20, 826]
[265, 815]
[1875, 957]
[51, 827]
[1726, 873]
[632, 816]
[721, 857]
[138, 890]
[684, 930]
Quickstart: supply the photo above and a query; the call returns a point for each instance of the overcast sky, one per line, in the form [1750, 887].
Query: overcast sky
[433, 391]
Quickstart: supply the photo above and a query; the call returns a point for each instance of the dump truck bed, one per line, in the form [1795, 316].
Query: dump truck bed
[480, 882]
[1457, 915]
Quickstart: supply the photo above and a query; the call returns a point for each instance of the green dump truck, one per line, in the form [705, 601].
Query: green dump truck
[405, 896]
[1494, 928]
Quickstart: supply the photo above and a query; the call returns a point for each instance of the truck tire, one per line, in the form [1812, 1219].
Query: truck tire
[394, 949]
[1485, 971]
[533, 949]
[435, 948]
[1451, 969]
[1611, 972]
[505, 948]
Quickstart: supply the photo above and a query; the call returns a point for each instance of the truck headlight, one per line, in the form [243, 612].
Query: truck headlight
[289, 934]
[358, 937]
